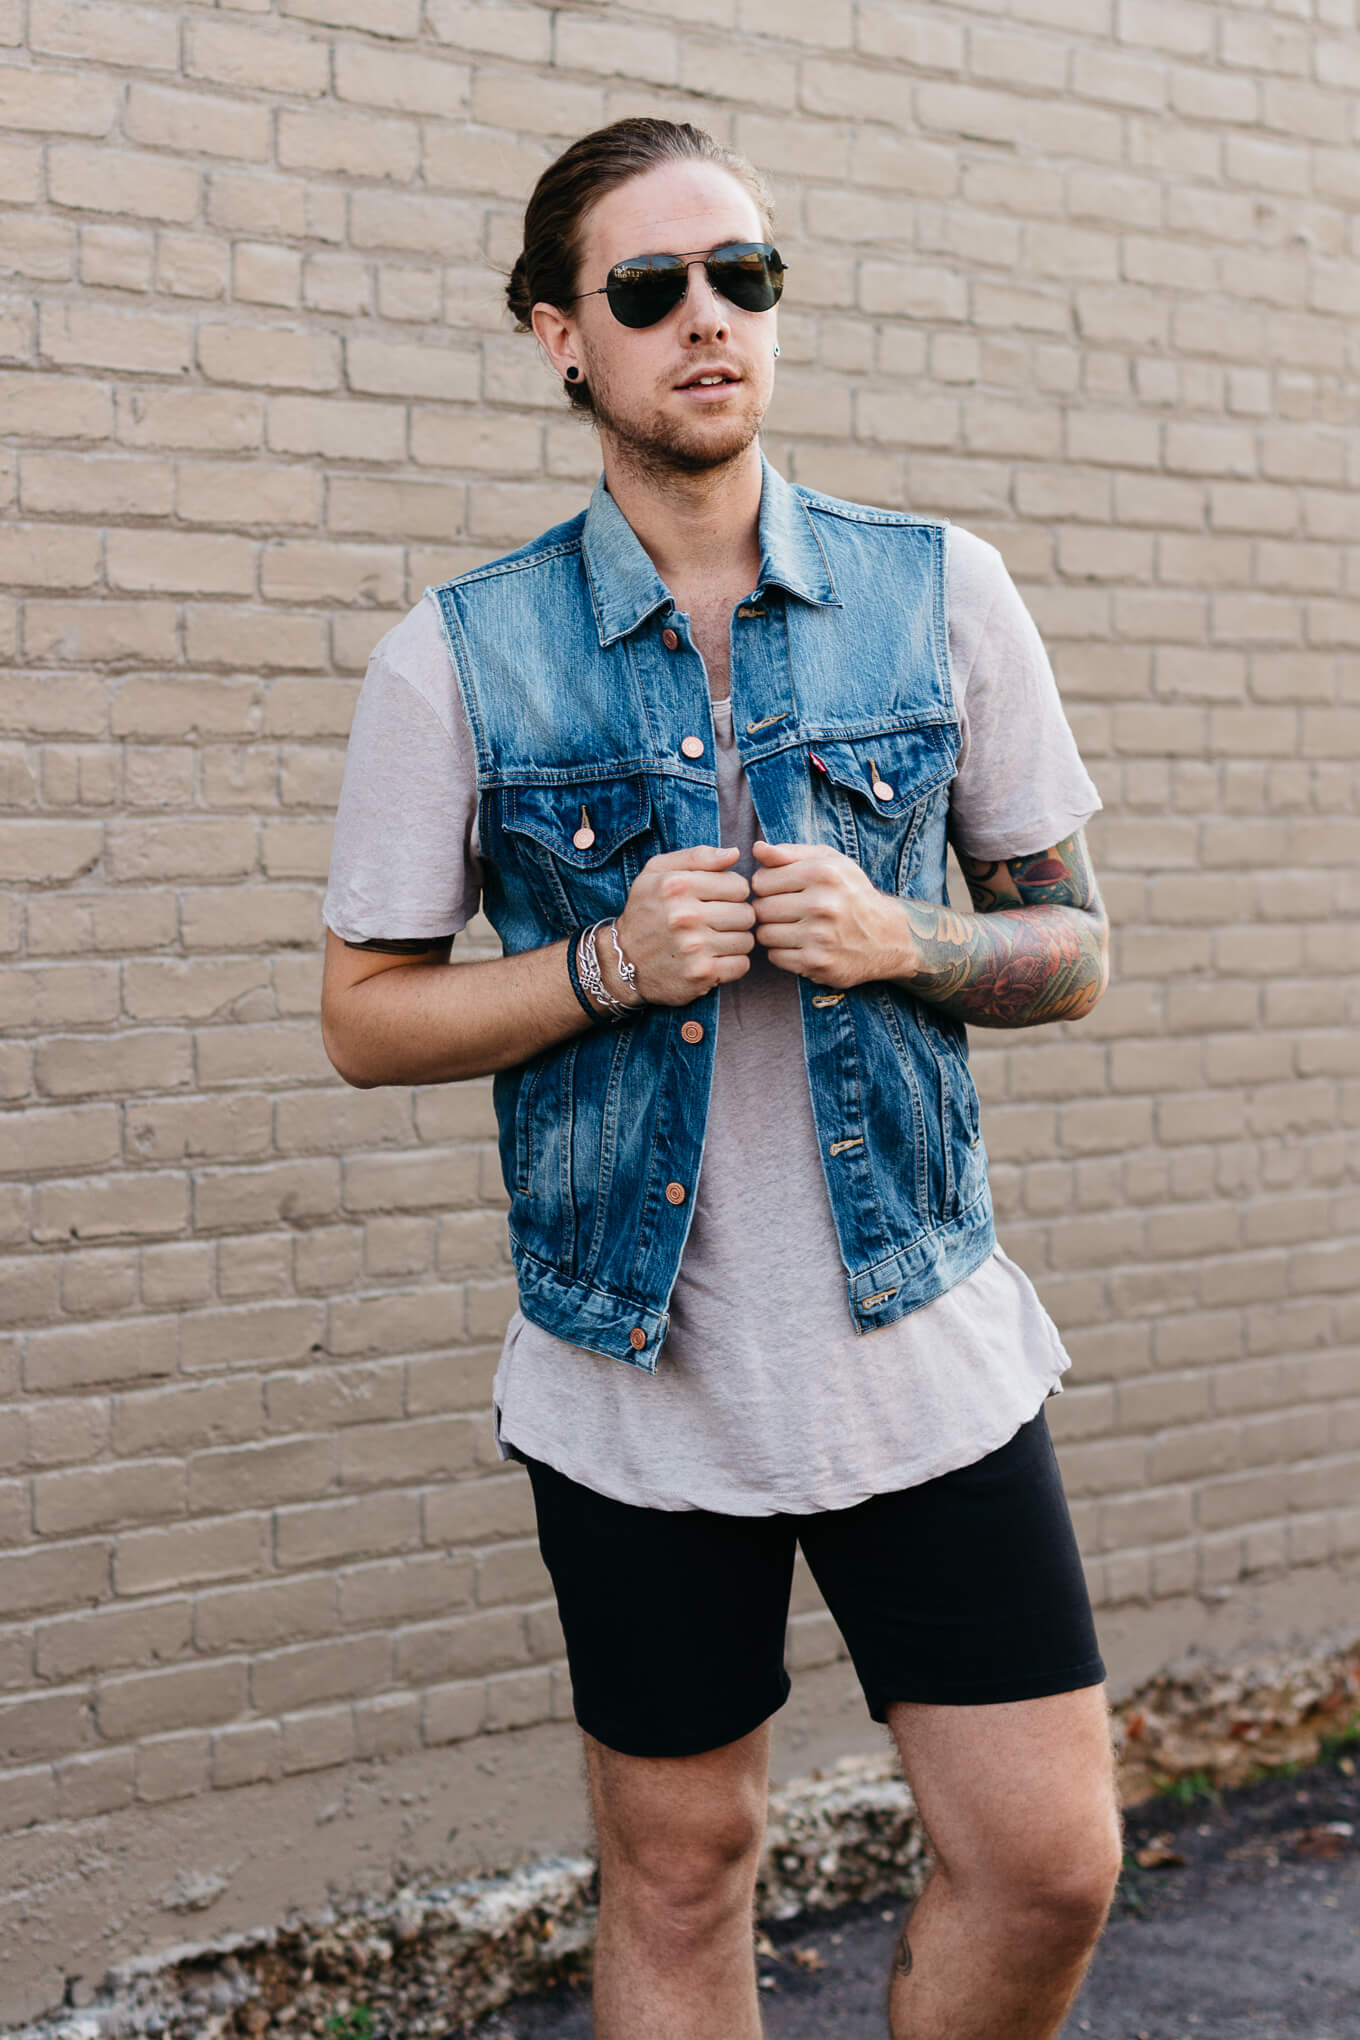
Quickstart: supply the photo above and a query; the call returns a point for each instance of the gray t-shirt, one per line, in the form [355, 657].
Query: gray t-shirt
[765, 1398]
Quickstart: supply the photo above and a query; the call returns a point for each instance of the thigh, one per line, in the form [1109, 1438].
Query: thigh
[674, 1619]
[964, 1590]
[1019, 1798]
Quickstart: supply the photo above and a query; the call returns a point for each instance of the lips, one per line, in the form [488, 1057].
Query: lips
[718, 368]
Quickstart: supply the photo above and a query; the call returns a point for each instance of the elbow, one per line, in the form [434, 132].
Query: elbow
[1099, 983]
[342, 1056]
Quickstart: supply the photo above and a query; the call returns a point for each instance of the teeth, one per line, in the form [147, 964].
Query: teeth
[706, 381]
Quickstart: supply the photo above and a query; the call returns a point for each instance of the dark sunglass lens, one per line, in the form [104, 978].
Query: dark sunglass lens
[749, 275]
[643, 291]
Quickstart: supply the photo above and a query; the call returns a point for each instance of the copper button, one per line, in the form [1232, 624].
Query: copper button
[675, 1193]
[669, 639]
[637, 1338]
[693, 747]
[692, 1030]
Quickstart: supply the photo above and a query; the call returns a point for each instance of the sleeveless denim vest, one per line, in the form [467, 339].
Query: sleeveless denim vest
[581, 680]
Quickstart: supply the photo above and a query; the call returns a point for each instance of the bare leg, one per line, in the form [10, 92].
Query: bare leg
[679, 1841]
[1020, 1803]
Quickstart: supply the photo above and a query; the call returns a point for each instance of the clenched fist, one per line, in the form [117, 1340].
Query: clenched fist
[686, 926]
[818, 915]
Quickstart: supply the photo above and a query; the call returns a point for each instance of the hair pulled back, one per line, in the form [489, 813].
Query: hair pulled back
[555, 217]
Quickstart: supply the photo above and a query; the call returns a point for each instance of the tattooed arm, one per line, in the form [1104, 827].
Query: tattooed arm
[1036, 949]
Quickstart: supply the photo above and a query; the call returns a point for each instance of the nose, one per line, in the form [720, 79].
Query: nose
[703, 308]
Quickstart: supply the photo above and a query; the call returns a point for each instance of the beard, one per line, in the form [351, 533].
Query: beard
[654, 445]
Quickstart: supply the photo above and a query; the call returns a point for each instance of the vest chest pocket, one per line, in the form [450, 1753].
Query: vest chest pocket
[873, 792]
[580, 846]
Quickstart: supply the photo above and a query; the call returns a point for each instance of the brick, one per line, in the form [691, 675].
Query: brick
[183, 848]
[354, 143]
[180, 1696]
[74, 484]
[45, 556]
[270, 356]
[28, 1798]
[119, 181]
[523, 33]
[55, 407]
[468, 158]
[402, 81]
[227, 493]
[232, 53]
[82, 1356]
[56, 102]
[352, 431]
[398, 19]
[266, 276]
[183, 1554]
[356, 1526]
[317, 1738]
[94, 33]
[250, 1335]
[53, 1576]
[161, 118]
[299, 571]
[106, 1497]
[64, 995]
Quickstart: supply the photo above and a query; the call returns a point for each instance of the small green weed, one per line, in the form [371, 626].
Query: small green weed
[356, 2024]
[1186, 1790]
[1341, 1742]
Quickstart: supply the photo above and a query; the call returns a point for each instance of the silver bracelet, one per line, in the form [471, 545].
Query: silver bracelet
[592, 979]
[627, 970]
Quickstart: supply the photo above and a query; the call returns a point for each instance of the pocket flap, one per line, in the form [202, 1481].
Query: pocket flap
[908, 763]
[615, 809]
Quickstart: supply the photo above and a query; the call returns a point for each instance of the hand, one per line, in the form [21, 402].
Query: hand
[686, 926]
[818, 916]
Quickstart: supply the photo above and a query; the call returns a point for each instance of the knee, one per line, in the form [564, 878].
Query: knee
[1070, 1889]
[687, 1878]
[1058, 1885]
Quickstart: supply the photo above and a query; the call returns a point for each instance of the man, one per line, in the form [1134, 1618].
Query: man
[698, 750]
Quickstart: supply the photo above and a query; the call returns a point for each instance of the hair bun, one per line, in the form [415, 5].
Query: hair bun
[517, 294]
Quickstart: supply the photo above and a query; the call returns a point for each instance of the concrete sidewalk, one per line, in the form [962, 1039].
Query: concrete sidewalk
[1255, 1935]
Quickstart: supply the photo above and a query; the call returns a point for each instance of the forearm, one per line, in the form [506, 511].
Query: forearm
[1016, 967]
[436, 1023]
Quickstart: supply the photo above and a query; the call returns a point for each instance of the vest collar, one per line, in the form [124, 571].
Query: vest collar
[627, 589]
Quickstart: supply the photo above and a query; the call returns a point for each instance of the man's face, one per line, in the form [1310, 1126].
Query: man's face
[641, 378]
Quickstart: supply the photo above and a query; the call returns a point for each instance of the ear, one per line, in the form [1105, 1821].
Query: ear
[556, 335]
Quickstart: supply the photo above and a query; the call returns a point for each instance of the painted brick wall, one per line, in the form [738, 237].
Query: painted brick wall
[1082, 275]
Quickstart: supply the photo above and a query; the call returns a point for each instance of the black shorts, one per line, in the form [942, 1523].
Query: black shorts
[963, 1589]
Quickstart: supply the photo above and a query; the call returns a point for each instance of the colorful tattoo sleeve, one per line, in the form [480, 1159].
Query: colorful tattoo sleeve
[1036, 949]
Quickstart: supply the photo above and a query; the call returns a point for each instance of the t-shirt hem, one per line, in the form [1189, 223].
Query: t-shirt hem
[394, 928]
[550, 1452]
[1027, 842]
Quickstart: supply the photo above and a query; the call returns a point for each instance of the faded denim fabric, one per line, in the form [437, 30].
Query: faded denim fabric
[840, 685]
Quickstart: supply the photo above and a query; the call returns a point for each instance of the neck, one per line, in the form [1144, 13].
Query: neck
[693, 527]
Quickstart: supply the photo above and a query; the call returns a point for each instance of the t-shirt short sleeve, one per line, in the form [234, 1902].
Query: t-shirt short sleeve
[1020, 784]
[404, 861]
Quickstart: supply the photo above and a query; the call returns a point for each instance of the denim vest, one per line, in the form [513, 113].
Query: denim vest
[581, 680]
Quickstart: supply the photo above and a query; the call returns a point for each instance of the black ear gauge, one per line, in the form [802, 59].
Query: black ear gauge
[573, 373]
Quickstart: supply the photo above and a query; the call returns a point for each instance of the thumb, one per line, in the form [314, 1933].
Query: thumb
[776, 853]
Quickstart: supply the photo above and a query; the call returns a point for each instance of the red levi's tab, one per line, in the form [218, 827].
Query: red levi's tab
[820, 763]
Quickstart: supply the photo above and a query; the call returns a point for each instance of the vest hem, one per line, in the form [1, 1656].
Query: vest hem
[894, 1287]
[586, 1315]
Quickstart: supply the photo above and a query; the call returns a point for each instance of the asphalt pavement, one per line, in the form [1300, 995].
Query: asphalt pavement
[1241, 1922]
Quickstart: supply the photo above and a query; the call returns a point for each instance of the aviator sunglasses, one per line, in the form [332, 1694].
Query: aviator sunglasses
[641, 290]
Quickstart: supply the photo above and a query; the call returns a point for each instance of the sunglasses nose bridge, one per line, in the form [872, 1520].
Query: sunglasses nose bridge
[708, 296]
